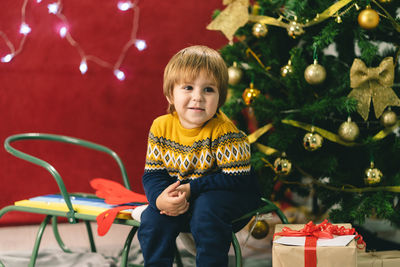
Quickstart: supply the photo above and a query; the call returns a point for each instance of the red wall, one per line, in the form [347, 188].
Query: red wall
[42, 90]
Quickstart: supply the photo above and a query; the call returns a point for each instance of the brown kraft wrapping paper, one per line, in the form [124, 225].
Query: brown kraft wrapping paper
[390, 258]
[290, 256]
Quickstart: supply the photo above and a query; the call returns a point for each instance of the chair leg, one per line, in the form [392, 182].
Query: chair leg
[37, 241]
[90, 235]
[57, 235]
[127, 246]
[238, 252]
[178, 257]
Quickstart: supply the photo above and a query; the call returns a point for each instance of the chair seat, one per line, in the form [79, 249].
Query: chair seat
[89, 206]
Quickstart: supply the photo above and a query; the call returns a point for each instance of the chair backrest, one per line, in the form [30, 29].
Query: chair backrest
[64, 139]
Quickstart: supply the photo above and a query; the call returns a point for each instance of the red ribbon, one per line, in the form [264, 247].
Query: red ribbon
[310, 251]
[106, 218]
[312, 232]
[115, 194]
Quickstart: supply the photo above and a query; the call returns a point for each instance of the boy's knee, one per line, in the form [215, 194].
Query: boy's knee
[214, 203]
[152, 219]
[148, 216]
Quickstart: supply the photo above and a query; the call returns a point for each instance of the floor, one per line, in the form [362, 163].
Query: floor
[16, 242]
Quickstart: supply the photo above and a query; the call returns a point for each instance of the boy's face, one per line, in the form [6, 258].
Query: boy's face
[195, 101]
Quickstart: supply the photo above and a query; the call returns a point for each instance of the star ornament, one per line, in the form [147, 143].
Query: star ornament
[234, 16]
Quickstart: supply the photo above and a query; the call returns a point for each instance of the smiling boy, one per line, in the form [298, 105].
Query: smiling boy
[197, 174]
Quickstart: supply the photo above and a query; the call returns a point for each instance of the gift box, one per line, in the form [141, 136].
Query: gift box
[322, 255]
[389, 258]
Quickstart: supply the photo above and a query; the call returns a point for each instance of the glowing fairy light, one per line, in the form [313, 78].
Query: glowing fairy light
[119, 74]
[140, 45]
[24, 29]
[83, 67]
[63, 31]
[7, 58]
[53, 8]
[124, 5]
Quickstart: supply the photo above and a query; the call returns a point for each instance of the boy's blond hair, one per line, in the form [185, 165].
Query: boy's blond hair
[188, 63]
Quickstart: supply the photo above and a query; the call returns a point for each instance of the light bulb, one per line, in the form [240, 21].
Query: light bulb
[7, 58]
[83, 67]
[119, 74]
[24, 29]
[63, 31]
[38, 1]
[53, 8]
[124, 5]
[141, 44]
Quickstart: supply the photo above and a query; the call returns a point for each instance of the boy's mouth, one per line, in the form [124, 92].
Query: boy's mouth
[196, 109]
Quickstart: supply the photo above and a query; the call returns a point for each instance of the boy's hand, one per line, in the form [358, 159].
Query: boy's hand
[184, 188]
[171, 201]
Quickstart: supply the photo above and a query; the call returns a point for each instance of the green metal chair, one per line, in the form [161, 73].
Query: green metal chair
[73, 216]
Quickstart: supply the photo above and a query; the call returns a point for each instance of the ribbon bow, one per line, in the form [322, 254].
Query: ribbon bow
[322, 230]
[373, 83]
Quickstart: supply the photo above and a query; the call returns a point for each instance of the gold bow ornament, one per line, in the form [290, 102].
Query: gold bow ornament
[373, 83]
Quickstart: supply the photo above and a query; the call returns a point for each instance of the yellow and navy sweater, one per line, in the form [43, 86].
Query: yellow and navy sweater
[193, 153]
[215, 156]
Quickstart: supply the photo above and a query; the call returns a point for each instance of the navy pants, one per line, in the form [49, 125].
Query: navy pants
[209, 219]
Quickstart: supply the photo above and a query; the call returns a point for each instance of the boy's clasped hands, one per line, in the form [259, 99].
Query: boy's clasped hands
[173, 201]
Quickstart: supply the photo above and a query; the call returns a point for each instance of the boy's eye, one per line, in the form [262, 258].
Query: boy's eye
[187, 87]
[209, 90]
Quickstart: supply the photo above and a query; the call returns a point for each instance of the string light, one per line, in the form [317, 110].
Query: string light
[119, 74]
[55, 8]
[140, 45]
[124, 5]
[83, 67]
[7, 58]
[63, 31]
[24, 29]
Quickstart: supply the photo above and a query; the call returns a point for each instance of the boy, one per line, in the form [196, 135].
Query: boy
[197, 173]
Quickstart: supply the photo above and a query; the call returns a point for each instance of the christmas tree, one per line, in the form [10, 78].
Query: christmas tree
[315, 85]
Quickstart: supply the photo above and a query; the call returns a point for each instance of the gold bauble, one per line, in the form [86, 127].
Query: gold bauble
[260, 30]
[372, 175]
[260, 229]
[312, 141]
[388, 118]
[235, 74]
[282, 166]
[368, 19]
[315, 74]
[348, 130]
[250, 94]
[287, 69]
[294, 29]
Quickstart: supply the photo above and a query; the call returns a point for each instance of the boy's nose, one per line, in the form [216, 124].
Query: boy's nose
[197, 95]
